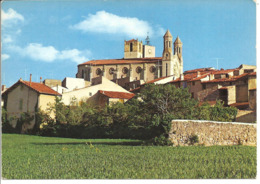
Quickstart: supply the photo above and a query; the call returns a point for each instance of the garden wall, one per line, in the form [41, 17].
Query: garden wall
[212, 132]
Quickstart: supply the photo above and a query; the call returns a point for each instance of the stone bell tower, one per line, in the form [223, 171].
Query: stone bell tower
[178, 52]
[167, 56]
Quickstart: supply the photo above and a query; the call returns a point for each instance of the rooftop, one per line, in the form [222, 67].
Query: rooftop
[38, 87]
[120, 95]
[122, 61]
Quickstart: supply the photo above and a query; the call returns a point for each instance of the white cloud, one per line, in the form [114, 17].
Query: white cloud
[10, 17]
[4, 57]
[38, 52]
[75, 55]
[7, 39]
[104, 22]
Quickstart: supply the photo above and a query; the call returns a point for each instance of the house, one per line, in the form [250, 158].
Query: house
[109, 97]
[91, 94]
[27, 97]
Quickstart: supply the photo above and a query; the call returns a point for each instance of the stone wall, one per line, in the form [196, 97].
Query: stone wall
[212, 133]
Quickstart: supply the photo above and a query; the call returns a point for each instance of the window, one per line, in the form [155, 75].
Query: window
[90, 94]
[193, 83]
[166, 69]
[192, 95]
[169, 44]
[125, 70]
[131, 47]
[111, 71]
[98, 71]
[21, 104]
[139, 69]
[83, 74]
[203, 86]
[152, 69]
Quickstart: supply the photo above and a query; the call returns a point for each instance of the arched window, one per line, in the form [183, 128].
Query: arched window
[98, 71]
[125, 70]
[169, 44]
[139, 69]
[131, 47]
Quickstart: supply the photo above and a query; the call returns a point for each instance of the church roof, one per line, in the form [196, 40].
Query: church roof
[168, 33]
[177, 40]
[122, 61]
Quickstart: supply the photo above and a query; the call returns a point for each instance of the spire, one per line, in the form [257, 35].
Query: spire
[177, 41]
[147, 40]
[168, 33]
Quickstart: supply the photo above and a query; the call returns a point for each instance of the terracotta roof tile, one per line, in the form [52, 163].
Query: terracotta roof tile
[130, 40]
[122, 61]
[200, 70]
[41, 88]
[38, 87]
[155, 80]
[120, 95]
[252, 74]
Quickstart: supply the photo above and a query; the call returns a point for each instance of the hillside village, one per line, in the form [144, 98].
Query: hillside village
[103, 82]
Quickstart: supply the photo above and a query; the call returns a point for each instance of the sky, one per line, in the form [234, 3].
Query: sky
[49, 39]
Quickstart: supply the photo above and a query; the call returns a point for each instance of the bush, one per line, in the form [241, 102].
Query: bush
[194, 139]
[147, 116]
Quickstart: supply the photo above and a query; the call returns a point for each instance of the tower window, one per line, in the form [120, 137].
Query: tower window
[169, 44]
[166, 69]
[131, 47]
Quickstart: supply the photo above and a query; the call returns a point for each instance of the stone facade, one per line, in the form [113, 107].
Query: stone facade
[212, 133]
[139, 62]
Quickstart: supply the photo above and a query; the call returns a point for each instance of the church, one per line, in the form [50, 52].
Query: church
[139, 62]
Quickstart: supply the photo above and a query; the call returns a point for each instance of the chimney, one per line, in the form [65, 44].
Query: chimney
[30, 79]
[198, 74]
[41, 80]
[182, 77]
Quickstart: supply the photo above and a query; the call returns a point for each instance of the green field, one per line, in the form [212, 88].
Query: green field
[34, 157]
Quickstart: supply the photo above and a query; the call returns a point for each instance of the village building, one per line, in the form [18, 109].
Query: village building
[101, 92]
[27, 97]
[139, 63]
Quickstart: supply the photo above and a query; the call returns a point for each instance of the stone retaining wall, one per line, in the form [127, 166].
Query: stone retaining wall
[212, 132]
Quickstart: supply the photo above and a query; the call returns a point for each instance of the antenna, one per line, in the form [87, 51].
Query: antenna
[217, 61]
[147, 40]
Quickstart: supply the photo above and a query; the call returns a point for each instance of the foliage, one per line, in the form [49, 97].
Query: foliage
[194, 139]
[34, 157]
[148, 116]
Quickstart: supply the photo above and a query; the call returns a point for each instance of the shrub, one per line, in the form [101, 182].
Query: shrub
[194, 139]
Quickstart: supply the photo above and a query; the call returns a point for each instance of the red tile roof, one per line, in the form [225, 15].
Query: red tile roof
[38, 87]
[223, 71]
[252, 74]
[122, 61]
[120, 95]
[131, 40]
[199, 70]
[200, 77]
[155, 80]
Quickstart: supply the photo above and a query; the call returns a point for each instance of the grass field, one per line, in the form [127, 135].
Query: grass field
[34, 157]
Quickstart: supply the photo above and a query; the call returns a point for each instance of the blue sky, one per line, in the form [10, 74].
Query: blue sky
[49, 39]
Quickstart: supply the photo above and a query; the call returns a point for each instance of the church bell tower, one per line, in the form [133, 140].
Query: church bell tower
[167, 57]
